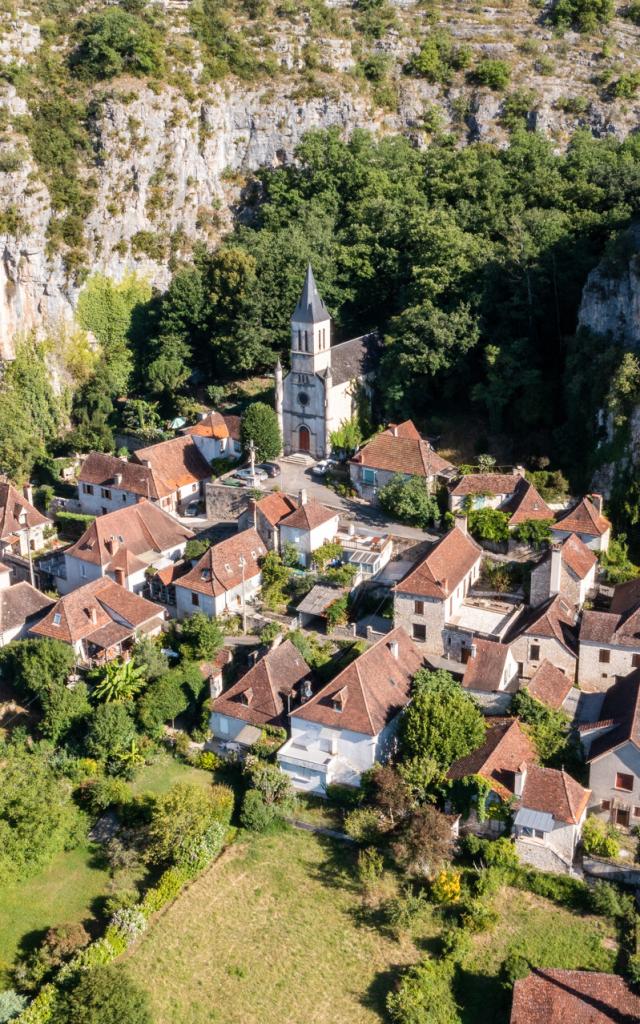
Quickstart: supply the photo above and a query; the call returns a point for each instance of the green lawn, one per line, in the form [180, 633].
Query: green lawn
[164, 772]
[62, 893]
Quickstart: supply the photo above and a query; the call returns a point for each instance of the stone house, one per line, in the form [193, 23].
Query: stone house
[325, 382]
[609, 646]
[432, 592]
[568, 568]
[124, 545]
[511, 493]
[552, 687]
[612, 749]
[573, 997]
[21, 607]
[491, 676]
[551, 810]
[398, 449]
[224, 580]
[351, 722]
[263, 696]
[179, 470]
[308, 527]
[216, 436]
[22, 527]
[587, 521]
[546, 633]
[266, 515]
[101, 621]
[107, 482]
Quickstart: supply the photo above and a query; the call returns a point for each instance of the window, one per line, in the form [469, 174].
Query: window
[636, 812]
[57, 619]
[605, 805]
[635, 661]
[124, 497]
[419, 632]
[83, 571]
[604, 657]
[194, 488]
[520, 668]
[195, 600]
[369, 476]
[418, 607]
[534, 652]
[624, 781]
[88, 488]
[105, 493]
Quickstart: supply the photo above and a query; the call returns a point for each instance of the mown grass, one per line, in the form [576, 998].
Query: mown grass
[163, 772]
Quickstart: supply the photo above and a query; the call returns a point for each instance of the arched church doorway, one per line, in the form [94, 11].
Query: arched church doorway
[304, 439]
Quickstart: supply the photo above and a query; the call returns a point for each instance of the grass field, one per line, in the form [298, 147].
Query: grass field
[277, 933]
[163, 772]
[61, 894]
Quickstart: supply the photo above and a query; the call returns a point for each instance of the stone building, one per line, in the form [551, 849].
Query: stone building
[568, 569]
[546, 633]
[322, 389]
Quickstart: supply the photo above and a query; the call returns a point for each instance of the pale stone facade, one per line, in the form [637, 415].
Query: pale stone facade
[530, 650]
[605, 775]
[599, 664]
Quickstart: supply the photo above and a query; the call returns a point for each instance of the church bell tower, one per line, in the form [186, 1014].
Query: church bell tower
[310, 330]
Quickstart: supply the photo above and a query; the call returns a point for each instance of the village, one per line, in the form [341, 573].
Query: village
[333, 615]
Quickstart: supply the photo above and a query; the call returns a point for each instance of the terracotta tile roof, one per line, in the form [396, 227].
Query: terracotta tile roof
[625, 596]
[309, 516]
[554, 792]
[549, 685]
[484, 671]
[220, 567]
[578, 557]
[611, 629]
[216, 424]
[173, 572]
[260, 696]
[102, 471]
[621, 705]
[526, 504]
[573, 997]
[12, 505]
[275, 507]
[371, 691]
[584, 518]
[174, 464]
[400, 449]
[99, 604]
[20, 603]
[440, 572]
[486, 483]
[553, 619]
[140, 528]
[355, 358]
[506, 747]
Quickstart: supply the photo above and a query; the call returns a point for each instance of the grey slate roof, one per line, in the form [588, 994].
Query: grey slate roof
[355, 358]
[310, 309]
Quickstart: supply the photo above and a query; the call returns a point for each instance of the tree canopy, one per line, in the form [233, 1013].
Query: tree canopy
[441, 722]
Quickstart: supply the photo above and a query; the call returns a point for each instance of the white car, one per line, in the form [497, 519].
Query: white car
[322, 468]
[246, 474]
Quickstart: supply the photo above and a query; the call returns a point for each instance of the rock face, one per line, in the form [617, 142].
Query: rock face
[611, 298]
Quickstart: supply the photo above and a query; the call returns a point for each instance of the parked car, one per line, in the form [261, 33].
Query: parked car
[192, 509]
[322, 468]
[246, 474]
[271, 468]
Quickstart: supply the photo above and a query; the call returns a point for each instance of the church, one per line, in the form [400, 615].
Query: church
[321, 390]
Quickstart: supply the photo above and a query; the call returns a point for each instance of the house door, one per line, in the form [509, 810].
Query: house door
[622, 817]
[466, 654]
[304, 439]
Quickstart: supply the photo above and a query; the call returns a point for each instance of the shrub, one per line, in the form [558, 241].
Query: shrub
[370, 865]
[424, 995]
[71, 525]
[627, 85]
[605, 899]
[167, 889]
[130, 922]
[345, 797]
[489, 524]
[456, 943]
[362, 824]
[479, 917]
[438, 58]
[493, 73]
[114, 42]
[561, 889]
[585, 15]
[513, 968]
[11, 1004]
[599, 839]
[535, 532]
[269, 632]
[256, 815]
[445, 887]
[41, 1009]
[208, 761]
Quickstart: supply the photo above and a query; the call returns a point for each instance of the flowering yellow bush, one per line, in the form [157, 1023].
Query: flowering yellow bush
[445, 887]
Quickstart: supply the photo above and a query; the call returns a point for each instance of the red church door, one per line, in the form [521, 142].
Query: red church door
[304, 439]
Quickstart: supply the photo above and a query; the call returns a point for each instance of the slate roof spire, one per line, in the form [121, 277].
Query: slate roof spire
[310, 309]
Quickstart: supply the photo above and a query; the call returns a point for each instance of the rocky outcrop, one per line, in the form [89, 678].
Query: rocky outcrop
[611, 298]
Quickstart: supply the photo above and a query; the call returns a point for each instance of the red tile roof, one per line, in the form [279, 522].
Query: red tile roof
[484, 671]
[276, 507]
[573, 997]
[260, 696]
[578, 557]
[103, 470]
[621, 705]
[625, 596]
[20, 603]
[486, 483]
[174, 464]
[583, 518]
[220, 568]
[549, 685]
[553, 619]
[506, 747]
[526, 504]
[140, 528]
[12, 506]
[440, 572]
[309, 516]
[400, 449]
[216, 424]
[608, 628]
[89, 609]
[554, 792]
[371, 691]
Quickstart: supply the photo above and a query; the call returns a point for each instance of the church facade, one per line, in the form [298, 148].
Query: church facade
[322, 388]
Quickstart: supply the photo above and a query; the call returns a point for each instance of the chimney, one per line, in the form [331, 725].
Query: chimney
[146, 463]
[444, 583]
[93, 615]
[394, 430]
[307, 691]
[5, 577]
[27, 490]
[474, 650]
[519, 471]
[394, 647]
[352, 530]
[596, 499]
[556, 569]
[519, 779]
[462, 524]
[302, 496]
[111, 545]
[202, 416]
[117, 479]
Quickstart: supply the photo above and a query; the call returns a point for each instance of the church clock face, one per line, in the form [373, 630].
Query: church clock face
[303, 398]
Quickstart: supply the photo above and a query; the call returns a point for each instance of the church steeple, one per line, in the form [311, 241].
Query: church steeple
[310, 309]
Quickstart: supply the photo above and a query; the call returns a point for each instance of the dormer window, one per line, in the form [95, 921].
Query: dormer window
[57, 619]
[227, 567]
[206, 574]
[339, 699]
[246, 696]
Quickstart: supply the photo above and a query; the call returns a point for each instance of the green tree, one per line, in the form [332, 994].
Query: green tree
[535, 532]
[178, 819]
[109, 311]
[585, 15]
[275, 576]
[260, 425]
[347, 437]
[118, 682]
[65, 711]
[114, 42]
[201, 637]
[408, 500]
[103, 995]
[489, 524]
[441, 722]
[492, 72]
[11, 1005]
[30, 414]
[164, 700]
[615, 564]
[36, 666]
[148, 656]
[111, 730]
[549, 730]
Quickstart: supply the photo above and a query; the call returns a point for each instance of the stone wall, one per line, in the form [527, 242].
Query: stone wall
[225, 503]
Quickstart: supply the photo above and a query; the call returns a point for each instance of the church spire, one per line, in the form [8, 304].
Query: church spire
[310, 309]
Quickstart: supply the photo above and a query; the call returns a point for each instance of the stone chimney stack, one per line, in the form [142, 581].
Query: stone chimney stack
[27, 491]
[394, 648]
[519, 779]
[462, 524]
[117, 480]
[596, 499]
[302, 496]
[394, 429]
[556, 569]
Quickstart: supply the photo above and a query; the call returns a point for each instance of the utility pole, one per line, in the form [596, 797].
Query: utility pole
[252, 458]
[23, 519]
[244, 603]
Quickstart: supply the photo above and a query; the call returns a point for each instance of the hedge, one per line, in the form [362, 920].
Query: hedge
[73, 524]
